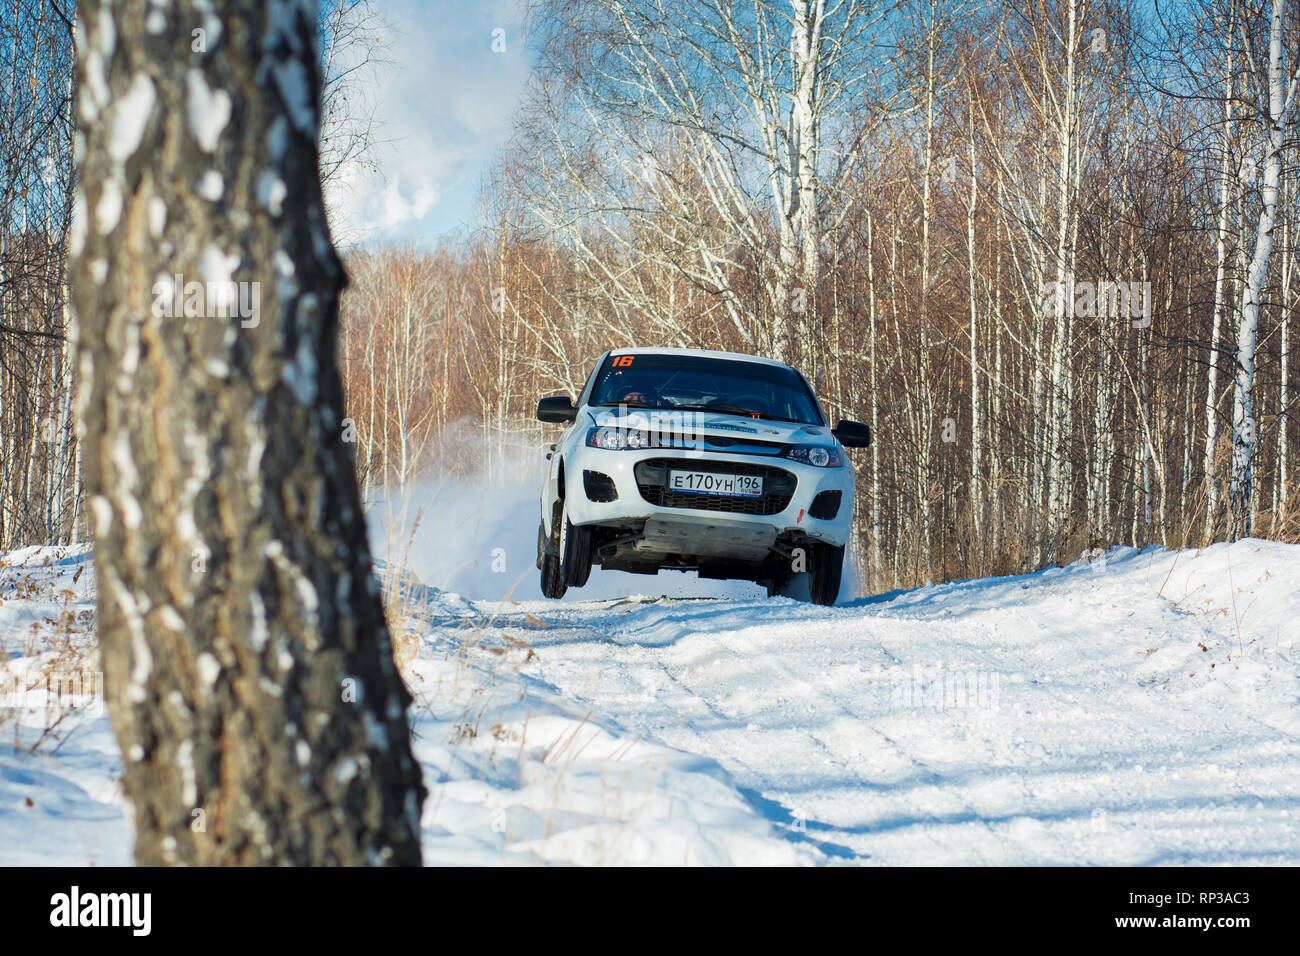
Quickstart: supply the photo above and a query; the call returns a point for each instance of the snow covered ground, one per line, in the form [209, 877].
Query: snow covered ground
[1141, 709]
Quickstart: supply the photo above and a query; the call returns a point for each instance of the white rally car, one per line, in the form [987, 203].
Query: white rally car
[694, 460]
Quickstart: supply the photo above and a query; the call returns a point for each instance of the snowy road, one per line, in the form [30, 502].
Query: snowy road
[1141, 711]
[1072, 716]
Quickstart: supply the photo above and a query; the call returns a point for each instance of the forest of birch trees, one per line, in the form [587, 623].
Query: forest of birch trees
[1045, 248]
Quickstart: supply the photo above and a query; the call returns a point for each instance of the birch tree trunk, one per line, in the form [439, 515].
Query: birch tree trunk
[807, 20]
[1226, 176]
[1058, 467]
[976, 492]
[1283, 496]
[1281, 99]
[249, 675]
[874, 398]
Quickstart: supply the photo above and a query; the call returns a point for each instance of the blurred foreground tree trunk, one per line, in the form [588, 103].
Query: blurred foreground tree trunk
[250, 678]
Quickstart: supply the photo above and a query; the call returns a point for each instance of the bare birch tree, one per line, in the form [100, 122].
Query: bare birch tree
[751, 94]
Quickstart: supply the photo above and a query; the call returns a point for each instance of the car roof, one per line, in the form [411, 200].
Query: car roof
[706, 353]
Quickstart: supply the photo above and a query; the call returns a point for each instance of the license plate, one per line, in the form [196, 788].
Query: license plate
[708, 483]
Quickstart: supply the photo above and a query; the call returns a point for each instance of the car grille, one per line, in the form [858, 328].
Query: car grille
[652, 481]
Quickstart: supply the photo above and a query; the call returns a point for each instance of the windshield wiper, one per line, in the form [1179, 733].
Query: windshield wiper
[628, 404]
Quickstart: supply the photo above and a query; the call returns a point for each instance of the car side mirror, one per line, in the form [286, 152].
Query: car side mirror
[852, 434]
[557, 410]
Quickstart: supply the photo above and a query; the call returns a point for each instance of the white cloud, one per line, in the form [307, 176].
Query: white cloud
[443, 105]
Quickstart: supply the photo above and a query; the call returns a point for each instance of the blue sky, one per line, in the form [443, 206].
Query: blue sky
[443, 106]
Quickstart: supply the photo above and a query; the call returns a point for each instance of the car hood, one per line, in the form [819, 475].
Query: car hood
[712, 424]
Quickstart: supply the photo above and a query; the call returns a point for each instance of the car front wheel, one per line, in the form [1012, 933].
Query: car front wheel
[575, 549]
[553, 585]
[825, 565]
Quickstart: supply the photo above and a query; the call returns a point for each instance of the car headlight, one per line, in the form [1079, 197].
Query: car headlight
[617, 439]
[822, 456]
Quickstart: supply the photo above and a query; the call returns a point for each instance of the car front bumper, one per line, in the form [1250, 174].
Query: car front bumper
[725, 526]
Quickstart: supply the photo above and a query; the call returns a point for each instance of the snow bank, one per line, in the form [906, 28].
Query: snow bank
[59, 803]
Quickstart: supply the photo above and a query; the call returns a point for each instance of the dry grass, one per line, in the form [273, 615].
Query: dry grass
[57, 676]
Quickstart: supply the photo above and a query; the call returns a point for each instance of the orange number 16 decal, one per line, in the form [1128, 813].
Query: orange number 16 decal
[622, 360]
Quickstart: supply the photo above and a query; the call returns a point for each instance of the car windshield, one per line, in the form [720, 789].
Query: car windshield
[702, 383]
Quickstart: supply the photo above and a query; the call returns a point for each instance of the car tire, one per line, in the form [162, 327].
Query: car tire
[825, 566]
[575, 547]
[553, 585]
